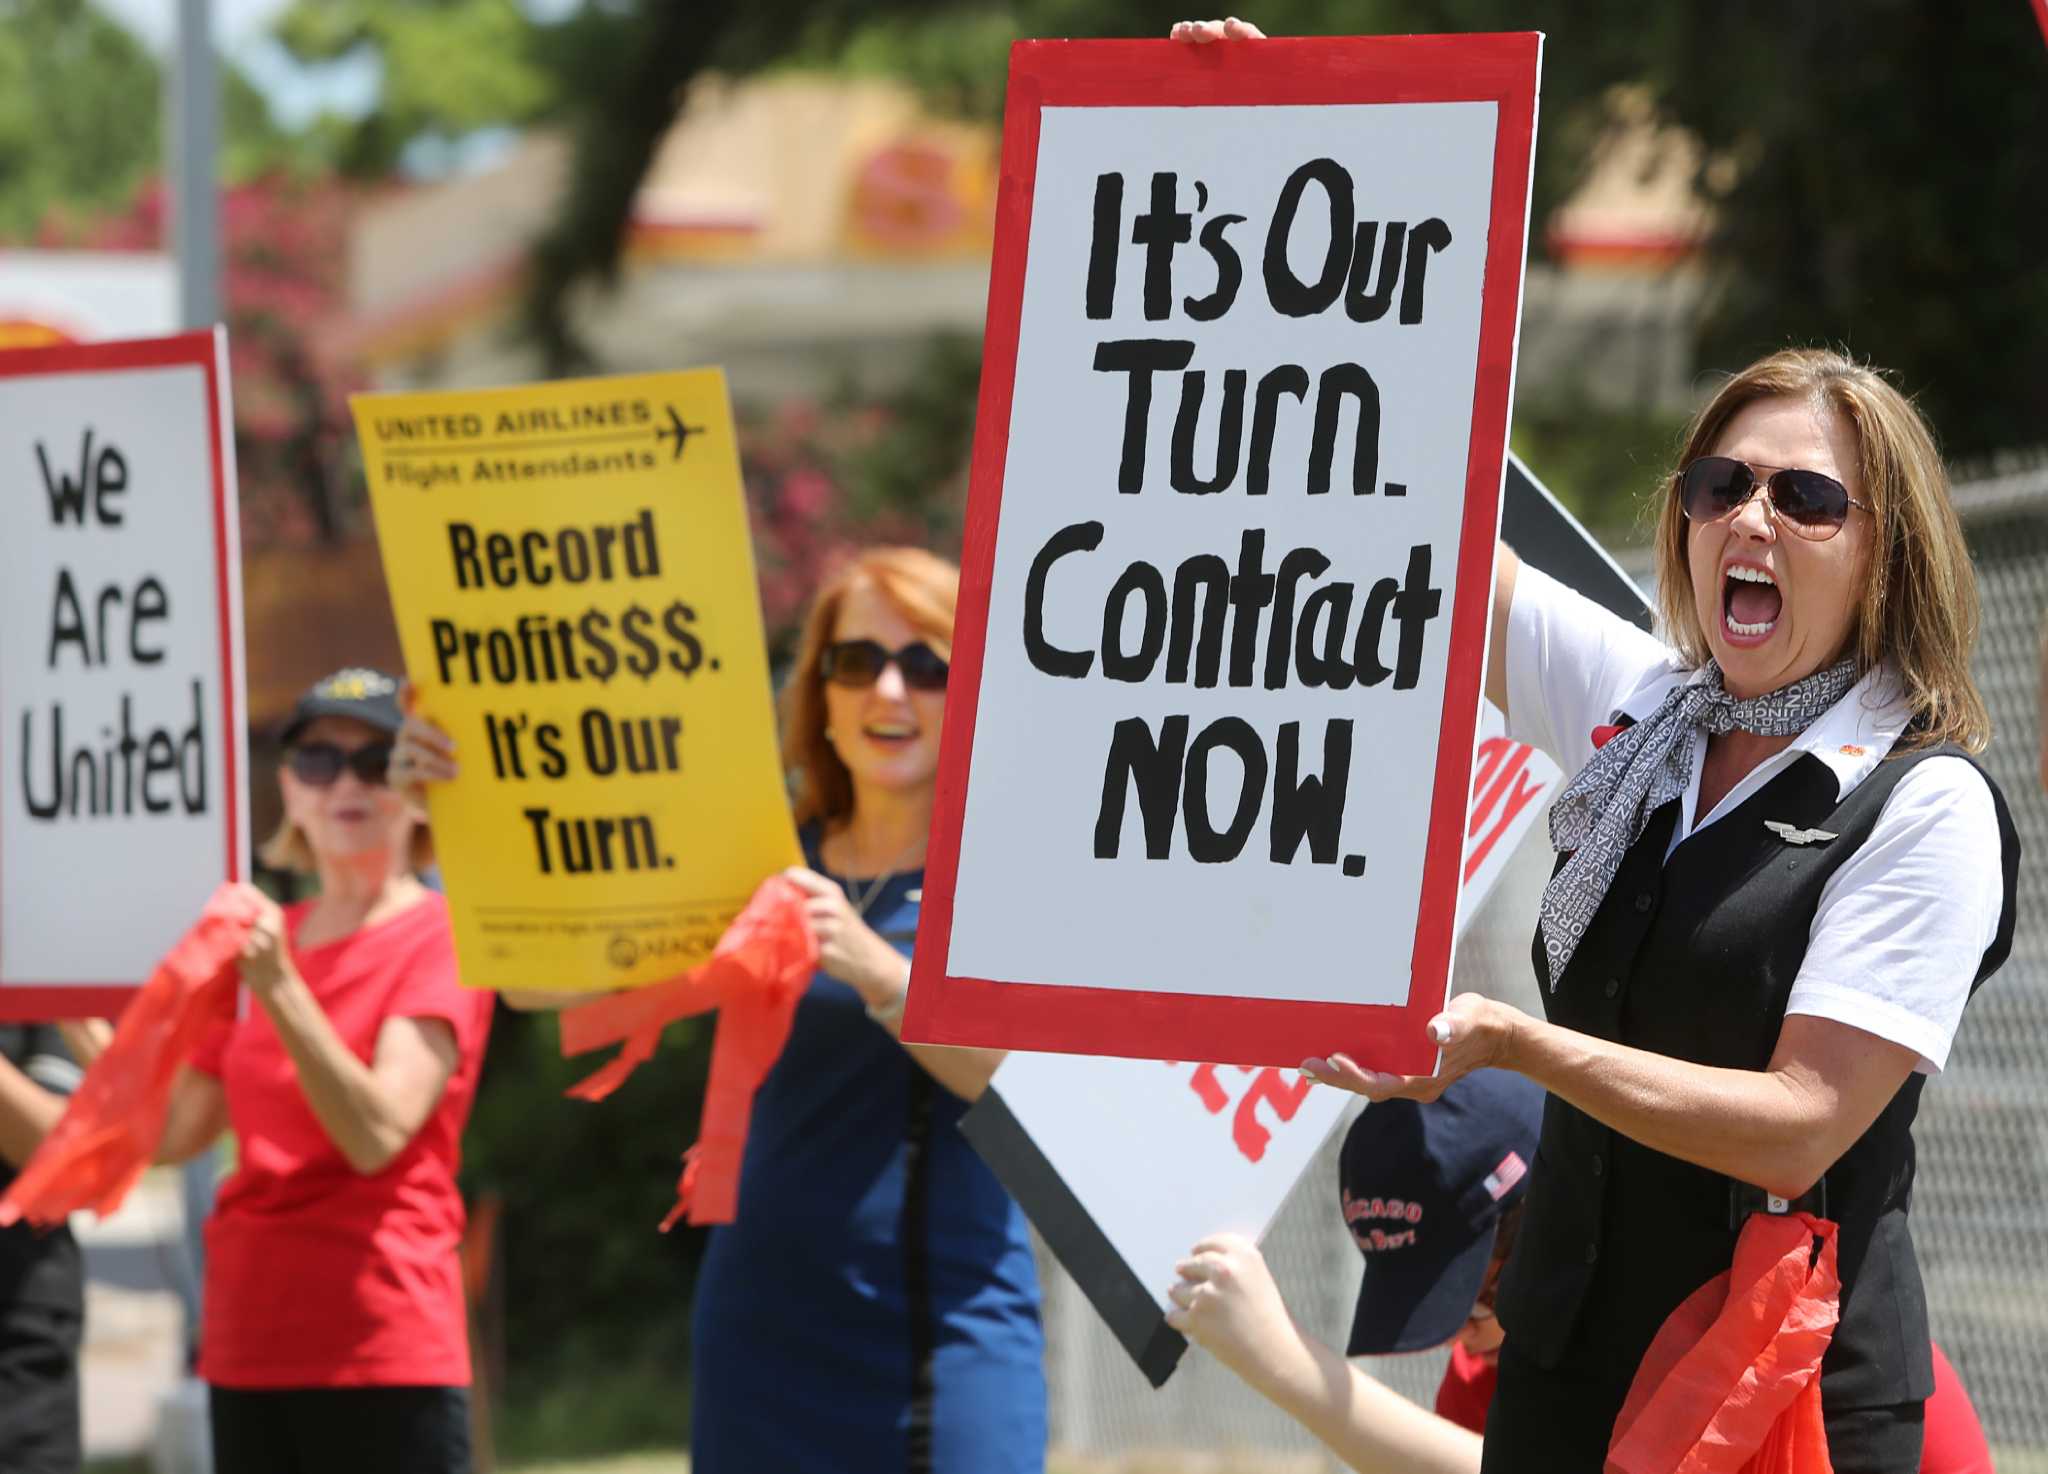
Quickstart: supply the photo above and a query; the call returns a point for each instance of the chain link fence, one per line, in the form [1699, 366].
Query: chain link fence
[1980, 1211]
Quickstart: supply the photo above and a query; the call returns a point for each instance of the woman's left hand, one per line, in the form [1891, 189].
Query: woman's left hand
[848, 947]
[1475, 1033]
[266, 960]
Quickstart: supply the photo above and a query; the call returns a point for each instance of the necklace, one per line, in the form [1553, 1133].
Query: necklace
[873, 888]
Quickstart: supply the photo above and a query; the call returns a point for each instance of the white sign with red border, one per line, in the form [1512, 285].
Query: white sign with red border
[1226, 582]
[122, 750]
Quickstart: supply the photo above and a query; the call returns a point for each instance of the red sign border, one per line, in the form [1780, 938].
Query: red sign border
[1502, 69]
[206, 350]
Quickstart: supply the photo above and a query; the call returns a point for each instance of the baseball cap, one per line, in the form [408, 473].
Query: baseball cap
[1422, 1189]
[359, 693]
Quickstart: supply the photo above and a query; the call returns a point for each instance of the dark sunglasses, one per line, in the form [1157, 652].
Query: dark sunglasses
[860, 663]
[319, 764]
[1812, 505]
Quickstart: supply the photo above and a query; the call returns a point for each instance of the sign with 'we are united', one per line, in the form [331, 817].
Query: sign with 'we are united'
[122, 751]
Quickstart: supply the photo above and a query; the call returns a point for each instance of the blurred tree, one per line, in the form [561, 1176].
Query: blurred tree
[63, 139]
[81, 119]
[1877, 171]
[1877, 167]
[448, 68]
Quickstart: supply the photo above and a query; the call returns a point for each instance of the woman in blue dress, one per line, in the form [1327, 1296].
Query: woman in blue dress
[873, 1309]
[874, 1306]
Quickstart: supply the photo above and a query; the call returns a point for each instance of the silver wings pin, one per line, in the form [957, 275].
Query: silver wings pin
[1793, 834]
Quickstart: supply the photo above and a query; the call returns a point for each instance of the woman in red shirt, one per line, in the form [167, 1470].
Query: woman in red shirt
[333, 1335]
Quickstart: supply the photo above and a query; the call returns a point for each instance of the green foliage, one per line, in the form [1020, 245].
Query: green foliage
[1878, 170]
[956, 61]
[1894, 169]
[252, 142]
[915, 469]
[603, 1405]
[596, 1301]
[449, 67]
[78, 111]
[81, 122]
[1606, 465]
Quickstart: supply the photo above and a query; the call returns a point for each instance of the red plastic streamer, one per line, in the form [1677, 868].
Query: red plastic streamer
[1731, 1384]
[754, 977]
[108, 1134]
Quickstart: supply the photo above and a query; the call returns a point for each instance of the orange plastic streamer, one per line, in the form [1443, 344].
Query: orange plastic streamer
[1731, 1384]
[110, 1128]
[754, 978]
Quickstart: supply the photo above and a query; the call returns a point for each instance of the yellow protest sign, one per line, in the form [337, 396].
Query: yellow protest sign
[574, 589]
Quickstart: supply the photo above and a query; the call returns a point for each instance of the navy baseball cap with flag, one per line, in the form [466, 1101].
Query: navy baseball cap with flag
[1422, 1188]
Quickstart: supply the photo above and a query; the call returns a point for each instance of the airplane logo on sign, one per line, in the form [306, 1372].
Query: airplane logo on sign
[677, 431]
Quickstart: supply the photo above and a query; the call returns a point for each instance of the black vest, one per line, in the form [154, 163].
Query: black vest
[1695, 959]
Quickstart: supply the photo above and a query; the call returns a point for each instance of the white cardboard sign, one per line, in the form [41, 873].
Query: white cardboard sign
[1226, 577]
[122, 751]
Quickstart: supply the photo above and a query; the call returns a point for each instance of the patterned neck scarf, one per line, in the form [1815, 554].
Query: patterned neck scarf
[1607, 806]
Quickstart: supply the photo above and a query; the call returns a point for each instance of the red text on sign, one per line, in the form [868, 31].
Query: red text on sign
[1501, 788]
[1267, 1087]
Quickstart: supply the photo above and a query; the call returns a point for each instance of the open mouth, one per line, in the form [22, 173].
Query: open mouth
[890, 734]
[1750, 602]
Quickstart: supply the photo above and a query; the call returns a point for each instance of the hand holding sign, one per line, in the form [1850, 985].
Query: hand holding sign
[848, 948]
[1202, 32]
[1226, 1301]
[1474, 1033]
[421, 753]
[266, 961]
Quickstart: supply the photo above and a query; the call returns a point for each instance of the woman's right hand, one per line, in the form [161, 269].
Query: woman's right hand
[1202, 32]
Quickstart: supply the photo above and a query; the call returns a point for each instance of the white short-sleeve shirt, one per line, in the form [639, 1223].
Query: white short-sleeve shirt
[1903, 924]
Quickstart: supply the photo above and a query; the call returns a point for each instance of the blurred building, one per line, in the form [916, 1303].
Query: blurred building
[801, 231]
[1609, 319]
[808, 232]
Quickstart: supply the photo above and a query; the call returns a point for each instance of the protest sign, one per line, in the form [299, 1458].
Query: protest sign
[574, 590]
[1230, 531]
[1123, 1165]
[121, 732]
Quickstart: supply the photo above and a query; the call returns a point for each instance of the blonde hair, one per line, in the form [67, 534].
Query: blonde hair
[920, 586]
[288, 849]
[1918, 611]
